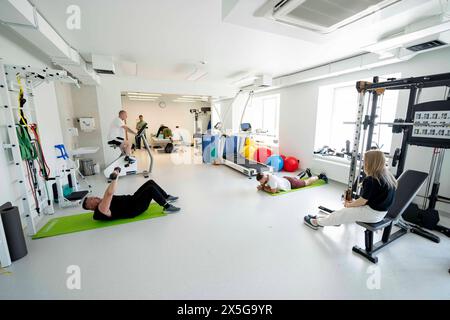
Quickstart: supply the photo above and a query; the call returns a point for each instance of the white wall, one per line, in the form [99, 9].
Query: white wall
[174, 114]
[66, 114]
[110, 102]
[85, 105]
[47, 116]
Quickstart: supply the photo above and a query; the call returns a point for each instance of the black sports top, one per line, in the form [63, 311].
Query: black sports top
[378, 194]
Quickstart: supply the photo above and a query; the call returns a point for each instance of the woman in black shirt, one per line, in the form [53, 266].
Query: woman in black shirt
[377, 195]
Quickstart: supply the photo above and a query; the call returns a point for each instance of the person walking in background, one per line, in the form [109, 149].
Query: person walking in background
[139, 125]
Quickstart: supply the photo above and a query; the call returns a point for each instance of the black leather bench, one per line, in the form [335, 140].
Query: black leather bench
[409, 184]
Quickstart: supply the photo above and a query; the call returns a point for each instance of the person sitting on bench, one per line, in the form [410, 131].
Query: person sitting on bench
[112, 206]
[116, 135]
[377, 195]
[273, 184]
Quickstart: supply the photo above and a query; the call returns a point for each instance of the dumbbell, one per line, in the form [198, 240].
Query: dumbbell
[115, 173]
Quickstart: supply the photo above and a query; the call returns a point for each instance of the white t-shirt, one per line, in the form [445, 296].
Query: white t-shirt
[278, 183]
[116, 130]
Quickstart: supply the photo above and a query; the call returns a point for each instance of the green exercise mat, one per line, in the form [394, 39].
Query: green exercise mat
[84, 221]
[318, 183]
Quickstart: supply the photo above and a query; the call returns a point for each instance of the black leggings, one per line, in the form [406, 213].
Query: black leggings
[146, 193]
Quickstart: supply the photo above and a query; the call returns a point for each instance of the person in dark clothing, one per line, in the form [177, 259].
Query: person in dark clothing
[376, 197]
[139, 125]
[160, 130]
[112, 206]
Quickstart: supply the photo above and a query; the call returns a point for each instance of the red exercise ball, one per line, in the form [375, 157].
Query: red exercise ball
[262, 154]
[291, 164]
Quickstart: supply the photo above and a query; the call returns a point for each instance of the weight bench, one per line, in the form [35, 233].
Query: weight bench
[409, 184]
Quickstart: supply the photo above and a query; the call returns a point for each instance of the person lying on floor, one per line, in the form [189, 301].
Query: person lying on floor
[377, 195]
[112, 206]
[271, 183]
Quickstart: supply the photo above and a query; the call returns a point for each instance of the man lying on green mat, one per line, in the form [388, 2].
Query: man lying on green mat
[273, 184]
[112, 207]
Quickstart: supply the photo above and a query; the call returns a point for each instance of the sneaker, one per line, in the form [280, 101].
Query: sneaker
[307, 221]
[308, 172]
[171, 198]
[301, 174]
[170, 209]
[130, 160]
[323, 177]
[315, 217]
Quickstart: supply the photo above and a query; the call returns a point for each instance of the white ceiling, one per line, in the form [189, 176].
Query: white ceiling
[167, 37]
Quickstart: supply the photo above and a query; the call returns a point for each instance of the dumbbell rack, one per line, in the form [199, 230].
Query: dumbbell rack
[32, 77]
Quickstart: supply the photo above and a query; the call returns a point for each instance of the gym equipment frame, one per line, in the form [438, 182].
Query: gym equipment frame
[426, 124]
[127, 168]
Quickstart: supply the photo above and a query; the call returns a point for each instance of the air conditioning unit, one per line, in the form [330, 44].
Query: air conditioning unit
[259, 82]
[103, 64]
[429, 34]
[322, 16]
[263, 81]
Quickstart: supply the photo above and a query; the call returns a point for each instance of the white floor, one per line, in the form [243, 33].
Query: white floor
[228, 242]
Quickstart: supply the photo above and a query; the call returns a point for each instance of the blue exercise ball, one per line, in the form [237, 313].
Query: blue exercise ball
[276, 162]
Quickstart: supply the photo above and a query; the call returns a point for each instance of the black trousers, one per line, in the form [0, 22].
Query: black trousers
[146, 193]
[138, 142]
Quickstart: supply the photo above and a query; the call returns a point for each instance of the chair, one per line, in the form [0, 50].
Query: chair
[409, 184]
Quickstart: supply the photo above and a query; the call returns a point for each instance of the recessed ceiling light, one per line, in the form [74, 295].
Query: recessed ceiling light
[179, 100]
[144, 94]
[141, 99]
[193, 97]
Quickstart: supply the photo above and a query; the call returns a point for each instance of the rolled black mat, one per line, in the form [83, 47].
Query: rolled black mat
[14, 232]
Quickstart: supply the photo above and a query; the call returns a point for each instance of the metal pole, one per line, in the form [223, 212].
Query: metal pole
[250, 96]
[430, 176]
[413, 99]
[150, 168]
[436, 183]
[373, 115]
[360, 86]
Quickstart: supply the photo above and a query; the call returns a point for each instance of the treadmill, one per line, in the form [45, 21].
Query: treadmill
[239, 163]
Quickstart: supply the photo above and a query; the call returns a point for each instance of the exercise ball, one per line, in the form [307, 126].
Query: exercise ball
[276, 162]
[262, 154]
[250, 142]
[249, 151]
[291, 164]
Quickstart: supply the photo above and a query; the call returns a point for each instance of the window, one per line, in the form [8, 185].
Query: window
[261, 112]
[339, 103]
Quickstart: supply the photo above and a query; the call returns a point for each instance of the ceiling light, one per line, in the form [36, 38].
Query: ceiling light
[178, 100]
[198, 98]
[140, 97]
[191, 97]
[144, 94]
